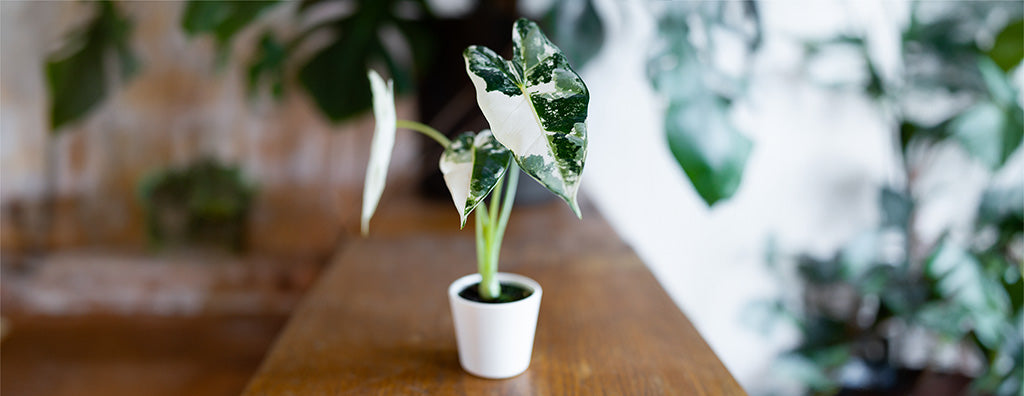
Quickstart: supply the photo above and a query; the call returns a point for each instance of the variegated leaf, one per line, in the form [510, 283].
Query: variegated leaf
[472, 166]
[381, 147]
[536, 106]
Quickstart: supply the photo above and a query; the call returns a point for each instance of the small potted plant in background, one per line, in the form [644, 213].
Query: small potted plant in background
[536, 106]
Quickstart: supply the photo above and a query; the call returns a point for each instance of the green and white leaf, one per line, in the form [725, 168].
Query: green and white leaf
[536, 106]
[472, 166]
[381, 147]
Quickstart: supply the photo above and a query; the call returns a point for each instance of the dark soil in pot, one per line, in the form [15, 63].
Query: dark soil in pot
[510, 292]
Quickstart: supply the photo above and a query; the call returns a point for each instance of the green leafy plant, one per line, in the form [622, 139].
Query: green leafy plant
[79, 75]
[205, 203]
[700, 135]
[856, 308]
[536, 106]
[358, 33]
[333, 74]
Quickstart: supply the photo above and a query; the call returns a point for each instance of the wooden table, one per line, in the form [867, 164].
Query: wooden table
[378, 323]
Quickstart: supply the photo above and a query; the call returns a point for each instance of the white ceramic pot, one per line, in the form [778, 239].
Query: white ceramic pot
[495, 340]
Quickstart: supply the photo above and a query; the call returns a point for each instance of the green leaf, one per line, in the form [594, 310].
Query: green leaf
[992, 129]
[381, 147]
[896, 207]
[343, 95]
[960, 279]
[989, 132]
[268, 66]
[78, 81]
[222, 18]
[945, 319]
[700, 135]
[1008, 49]
[704, 142]
[472, 166]
[997, 83]
[536, 106]
[334, 75]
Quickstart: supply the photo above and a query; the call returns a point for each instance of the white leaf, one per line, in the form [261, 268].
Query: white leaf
[381, 147]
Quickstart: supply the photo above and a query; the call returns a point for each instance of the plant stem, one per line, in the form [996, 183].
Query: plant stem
[424, 129]
[506, 210]
[495, 193]
[491, 231]
[481, 243]
[489, 288]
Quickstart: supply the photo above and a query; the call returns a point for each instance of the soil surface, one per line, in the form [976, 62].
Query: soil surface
[509, 293]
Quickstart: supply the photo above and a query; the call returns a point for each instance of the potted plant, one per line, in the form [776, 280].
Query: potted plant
[536, 106]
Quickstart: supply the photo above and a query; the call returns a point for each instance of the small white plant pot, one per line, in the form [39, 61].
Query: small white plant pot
[495, 340]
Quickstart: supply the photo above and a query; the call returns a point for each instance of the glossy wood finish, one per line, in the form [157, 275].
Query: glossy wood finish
[378, 320]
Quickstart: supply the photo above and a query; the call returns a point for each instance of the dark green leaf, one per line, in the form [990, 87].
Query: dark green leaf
[78, 81]
[828, 356]
[910, 131]
[334, 76]
[904, 296]
[268, 66]
[1008, 49]
[222, 18]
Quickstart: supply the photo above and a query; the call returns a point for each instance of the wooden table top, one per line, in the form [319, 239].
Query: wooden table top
[378, 323]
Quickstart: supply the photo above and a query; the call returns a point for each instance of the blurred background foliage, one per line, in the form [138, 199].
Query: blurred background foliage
[332, 44]
[698, 129]
[858, 310]
[864, 311]
[321, 47]
[336, 40]
[80, 73]
[205, 203]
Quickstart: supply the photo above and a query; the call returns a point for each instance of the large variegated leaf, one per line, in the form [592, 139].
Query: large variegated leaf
[381, 147]
[536, 106]
[472, 166]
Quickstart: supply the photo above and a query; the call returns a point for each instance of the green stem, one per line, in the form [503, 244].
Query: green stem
[489, 288]
[494, 201]
[491, 231]
[481, 242]
[424, 129]
[506, 210]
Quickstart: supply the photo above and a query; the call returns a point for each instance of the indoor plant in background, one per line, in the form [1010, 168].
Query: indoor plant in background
[899, 309]
[536, 106]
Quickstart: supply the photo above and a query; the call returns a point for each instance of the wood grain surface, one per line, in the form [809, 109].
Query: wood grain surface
[378, 323]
